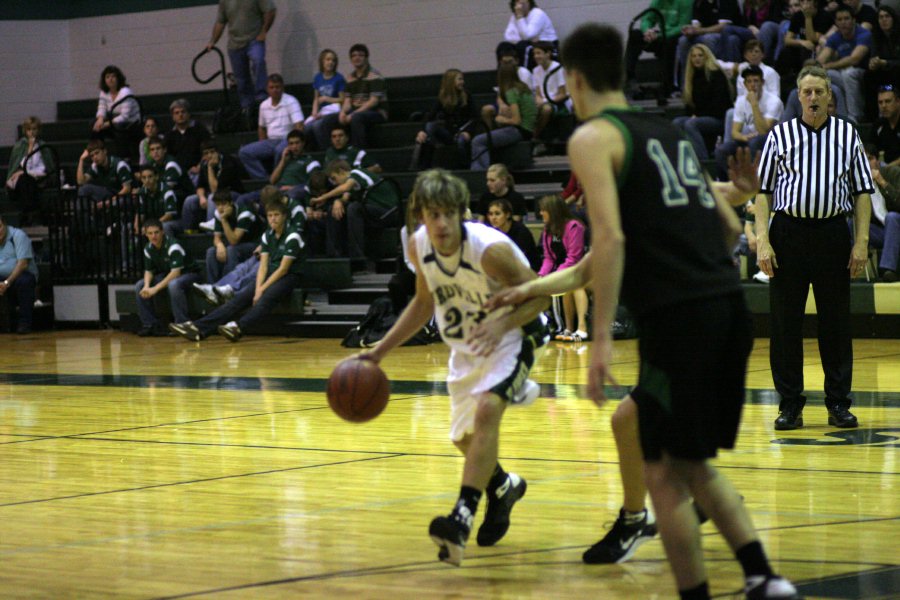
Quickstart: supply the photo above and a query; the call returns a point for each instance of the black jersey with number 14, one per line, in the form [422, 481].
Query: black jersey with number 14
[674, 241]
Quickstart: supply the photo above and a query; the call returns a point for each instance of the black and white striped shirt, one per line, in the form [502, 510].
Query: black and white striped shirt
[814, 174]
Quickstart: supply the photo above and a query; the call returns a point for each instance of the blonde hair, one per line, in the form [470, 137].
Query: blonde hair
[437, 188]
[709, 65]
[500, 170]
[31, 122]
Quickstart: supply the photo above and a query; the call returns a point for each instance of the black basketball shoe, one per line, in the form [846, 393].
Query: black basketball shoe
[621, 542]
[450, 535]
[500, 503]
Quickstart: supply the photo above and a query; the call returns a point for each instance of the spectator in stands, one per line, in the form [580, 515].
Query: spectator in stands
[710, 17]
[760, 21]
[563, 244]
[217, 171]
[450, 121]
[500, 216]
[755, 114]
[753, 57]
[864, 15]
[528, 24]
[807, 31]
[844, 58]
[500, 186]
[328, 96]
[151, 130]
[292, 172]
[166, 267]
[792, 7]
[221, 291]
[707, 97]
[280, 268]
[573, 195]
[340, 149]
[887, 130]
[185, 138]
[170, 172]
[515, 123]
[315, 218]
[884, 65]
[278, 115]
[30, 161]
[884, 227]
[117, 118]
[105, 176]
[248, 26]
[18, 275]
[506, 55]
[662, 41]
[363, 201]
[365, 103]
[554, 103]
[236, 233]
[155, 199]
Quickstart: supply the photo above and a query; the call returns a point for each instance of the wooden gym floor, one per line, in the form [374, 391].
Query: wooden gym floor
[159, 468]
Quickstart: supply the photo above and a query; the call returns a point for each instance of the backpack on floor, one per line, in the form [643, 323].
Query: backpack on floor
[378, 320]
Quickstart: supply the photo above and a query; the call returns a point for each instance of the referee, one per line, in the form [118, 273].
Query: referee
[813, 173]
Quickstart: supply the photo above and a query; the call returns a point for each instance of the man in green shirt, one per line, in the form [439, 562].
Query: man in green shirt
[658, 38]
[292, 172]
[165, 267]
[101, 175]
[168, 169]
[341, 149]
[366, 200]
[235, 234]
[280, 267]
[156, 200]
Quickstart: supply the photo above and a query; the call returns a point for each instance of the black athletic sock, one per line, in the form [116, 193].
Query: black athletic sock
[498, 478]
[753, 560]
[464, 511]
[701, 592]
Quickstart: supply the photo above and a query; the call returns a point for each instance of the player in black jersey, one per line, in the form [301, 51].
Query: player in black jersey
[660, 232]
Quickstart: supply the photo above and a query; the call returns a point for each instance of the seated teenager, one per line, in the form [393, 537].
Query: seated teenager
[500, 186]
[104, 176]
[340, 149]
[29, 164]
[514, 123]
[499, 216]
[280, 267]
[236, 233]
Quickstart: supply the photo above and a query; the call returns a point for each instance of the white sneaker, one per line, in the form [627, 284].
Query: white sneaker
[529, 393]
[207, 291]
[761, 277]
[223, 292]
[208, 225]
[760, 587]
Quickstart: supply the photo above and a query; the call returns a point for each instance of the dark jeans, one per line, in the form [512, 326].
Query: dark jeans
[21, 293]
[244, 299]
[358, 216]
[26, 193]
[177, 289]
[664, 51]
[234, 255]
[810, 251]
[728, 148]
[438, 133]
[401, 286]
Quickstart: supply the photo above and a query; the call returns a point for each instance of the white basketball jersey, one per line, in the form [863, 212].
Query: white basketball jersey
[460, 294]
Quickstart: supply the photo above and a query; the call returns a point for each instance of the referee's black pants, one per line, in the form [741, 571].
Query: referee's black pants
[810, 251]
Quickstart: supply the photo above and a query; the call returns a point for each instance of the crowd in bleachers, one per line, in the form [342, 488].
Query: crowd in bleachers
[733, 66]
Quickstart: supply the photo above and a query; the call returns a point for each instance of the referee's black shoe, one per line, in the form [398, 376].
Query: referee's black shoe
[840, 416]
[789, 418]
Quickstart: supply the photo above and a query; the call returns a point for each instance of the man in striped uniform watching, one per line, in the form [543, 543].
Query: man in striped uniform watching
[813, 173]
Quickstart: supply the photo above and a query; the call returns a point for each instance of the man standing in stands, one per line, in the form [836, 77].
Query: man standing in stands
[248, 22]
[19, 274]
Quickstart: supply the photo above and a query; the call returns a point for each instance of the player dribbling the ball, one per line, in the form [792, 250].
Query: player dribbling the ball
[458, 266]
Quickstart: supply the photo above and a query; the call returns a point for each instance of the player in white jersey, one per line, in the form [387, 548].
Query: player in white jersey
[458, 266]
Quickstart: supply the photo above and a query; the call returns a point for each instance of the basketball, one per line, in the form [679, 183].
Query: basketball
[358, 390]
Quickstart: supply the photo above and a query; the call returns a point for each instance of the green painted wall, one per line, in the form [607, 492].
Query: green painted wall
[19, 10]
